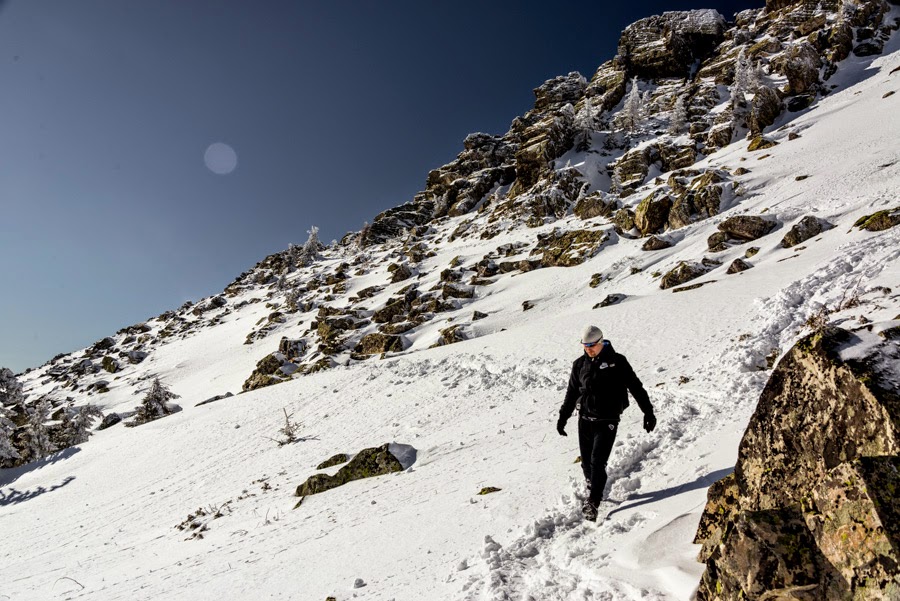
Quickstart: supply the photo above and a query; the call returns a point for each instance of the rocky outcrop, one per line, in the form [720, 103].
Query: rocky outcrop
[595, 205]
[764, 110]
[800, 63]
[813, 507]
[699, 198]
[667, 45]
[265, 372]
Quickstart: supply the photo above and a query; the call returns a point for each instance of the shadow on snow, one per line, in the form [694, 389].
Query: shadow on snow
[658, 495]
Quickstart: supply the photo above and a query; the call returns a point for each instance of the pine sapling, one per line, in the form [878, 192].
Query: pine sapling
[289, 431]
[154, 404]
[7, 427]
[39, 443]
[679, 117]
[77, 422]
[310, 250]
[632, 111]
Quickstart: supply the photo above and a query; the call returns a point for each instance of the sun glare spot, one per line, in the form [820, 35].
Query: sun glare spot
[220, 158]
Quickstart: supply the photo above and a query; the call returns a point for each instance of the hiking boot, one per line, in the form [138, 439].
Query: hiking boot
[589, 509]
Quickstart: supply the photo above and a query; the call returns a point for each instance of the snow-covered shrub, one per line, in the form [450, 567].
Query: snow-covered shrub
[154, 404]
[7, 427]
[310, 251]
[77, 422]
[39, 444]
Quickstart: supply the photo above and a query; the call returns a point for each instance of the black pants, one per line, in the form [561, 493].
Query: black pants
[596, 441]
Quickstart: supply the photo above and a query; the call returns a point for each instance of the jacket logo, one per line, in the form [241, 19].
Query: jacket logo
[612, 426]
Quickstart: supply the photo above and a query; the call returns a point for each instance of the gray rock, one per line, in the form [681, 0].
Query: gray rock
[747, 227]
[806, 228]
[109, 420]
[654, 243]
[683, 272]
[611, 299]
[652, 213]
[737, 266]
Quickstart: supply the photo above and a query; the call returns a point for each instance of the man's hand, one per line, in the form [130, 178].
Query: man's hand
[649, 422]
[561, 427]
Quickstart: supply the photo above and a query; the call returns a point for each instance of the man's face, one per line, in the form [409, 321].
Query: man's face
[593, 350]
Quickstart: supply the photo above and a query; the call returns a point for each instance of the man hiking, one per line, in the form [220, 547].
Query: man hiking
[599, 384]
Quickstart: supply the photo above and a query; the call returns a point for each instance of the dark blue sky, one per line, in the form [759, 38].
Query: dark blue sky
[336, 110]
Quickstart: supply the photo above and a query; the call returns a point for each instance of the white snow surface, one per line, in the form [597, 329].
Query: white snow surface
[99, 521]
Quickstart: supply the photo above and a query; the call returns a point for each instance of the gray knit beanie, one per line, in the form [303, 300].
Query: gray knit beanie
[591, 334]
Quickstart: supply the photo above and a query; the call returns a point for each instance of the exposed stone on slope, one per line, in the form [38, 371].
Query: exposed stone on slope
[652, 213]
[800, 63]
[882, 220]
[594, 205]
[699, 199]
[654, 243]
[747, 227]
[368, 463]
[683, 272]
[737, 266]
[764, 110]
[376, 343]
[565, 249]
[806, 228]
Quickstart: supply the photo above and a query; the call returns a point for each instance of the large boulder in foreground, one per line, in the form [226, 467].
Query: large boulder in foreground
[812, 511]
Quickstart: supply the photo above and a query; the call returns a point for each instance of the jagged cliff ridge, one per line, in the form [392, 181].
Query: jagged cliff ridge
[580, 150]
[812, 511]
[794, 48]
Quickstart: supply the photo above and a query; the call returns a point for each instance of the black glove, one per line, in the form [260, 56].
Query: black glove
[561, 427]
[649, 422]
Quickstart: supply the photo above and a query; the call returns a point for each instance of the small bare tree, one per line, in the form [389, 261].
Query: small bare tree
[289, 431]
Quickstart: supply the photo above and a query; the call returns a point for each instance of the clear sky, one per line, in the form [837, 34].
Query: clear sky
[119, 198]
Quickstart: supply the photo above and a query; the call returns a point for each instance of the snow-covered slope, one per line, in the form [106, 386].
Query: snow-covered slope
[99, 521]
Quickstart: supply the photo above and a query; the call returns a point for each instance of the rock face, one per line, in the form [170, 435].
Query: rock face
[811, 511]
[375, 461]
[667, 45]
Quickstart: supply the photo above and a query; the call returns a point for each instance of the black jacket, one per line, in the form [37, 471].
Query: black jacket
[600, 387]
